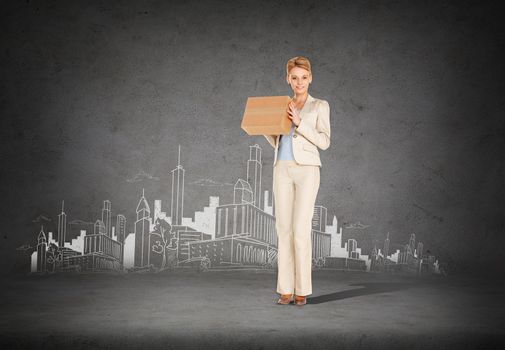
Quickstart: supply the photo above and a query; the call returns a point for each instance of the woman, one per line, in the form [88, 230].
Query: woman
[296, 183]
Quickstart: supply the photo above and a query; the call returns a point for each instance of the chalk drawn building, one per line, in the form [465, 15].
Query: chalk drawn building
[321, 240]
[142, 231]
[41, 252]
[100, 251]
[244, 233]
[410, 259]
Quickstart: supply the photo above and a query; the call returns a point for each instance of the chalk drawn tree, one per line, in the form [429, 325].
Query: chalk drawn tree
[54, 256]
[166, 243]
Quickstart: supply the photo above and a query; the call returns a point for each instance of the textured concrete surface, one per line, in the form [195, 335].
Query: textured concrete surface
[97, 92]
[236, 309]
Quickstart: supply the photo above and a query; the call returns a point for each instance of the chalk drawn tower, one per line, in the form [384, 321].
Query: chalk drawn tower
[41, 251]
[106, 217]
[62, 226]
[177, 203]
[142, 227]
[254, 170]
[121, 228]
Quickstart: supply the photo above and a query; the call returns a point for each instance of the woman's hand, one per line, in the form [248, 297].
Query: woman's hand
[294, 114]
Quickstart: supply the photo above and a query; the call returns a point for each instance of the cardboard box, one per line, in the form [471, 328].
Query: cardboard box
[267, 115]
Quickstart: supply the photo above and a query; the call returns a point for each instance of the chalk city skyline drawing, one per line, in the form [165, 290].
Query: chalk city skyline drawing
[237, 235]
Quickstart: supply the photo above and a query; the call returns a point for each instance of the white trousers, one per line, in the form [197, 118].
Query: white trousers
[295, 190]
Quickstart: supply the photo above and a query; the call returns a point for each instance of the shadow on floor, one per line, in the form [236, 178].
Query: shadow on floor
[367, 289]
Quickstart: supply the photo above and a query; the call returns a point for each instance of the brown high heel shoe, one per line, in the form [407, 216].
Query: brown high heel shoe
[300, 300]
[285, 299]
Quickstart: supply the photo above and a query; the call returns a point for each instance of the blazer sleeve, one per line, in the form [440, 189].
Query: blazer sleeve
[320, 136]
[271, 139]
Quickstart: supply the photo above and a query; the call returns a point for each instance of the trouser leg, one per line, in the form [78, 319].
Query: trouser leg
[283, 187]
[306, 180]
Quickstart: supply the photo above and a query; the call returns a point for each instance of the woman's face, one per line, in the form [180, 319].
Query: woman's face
[299, 79]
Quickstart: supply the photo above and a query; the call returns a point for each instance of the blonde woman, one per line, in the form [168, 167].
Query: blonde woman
[296, 182]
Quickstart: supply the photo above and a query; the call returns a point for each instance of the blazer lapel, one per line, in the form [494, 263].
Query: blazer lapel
[306, 106]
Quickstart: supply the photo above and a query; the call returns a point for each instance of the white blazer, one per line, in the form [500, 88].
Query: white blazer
[312, 133]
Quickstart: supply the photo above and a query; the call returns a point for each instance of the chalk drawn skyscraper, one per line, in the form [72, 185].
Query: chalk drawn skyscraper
[121, 228]
[177, 203]
[41, 251]
[412, 242]
[386, 247]
[254, 170]
[106, 217]
[142, 228]
[62, 226]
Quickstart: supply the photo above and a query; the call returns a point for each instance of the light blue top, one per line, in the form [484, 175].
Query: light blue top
[285, 151]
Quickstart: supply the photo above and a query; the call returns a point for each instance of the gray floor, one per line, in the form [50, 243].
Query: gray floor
[236, 309]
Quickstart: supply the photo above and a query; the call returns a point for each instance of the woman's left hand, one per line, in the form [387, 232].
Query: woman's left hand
[294, 114]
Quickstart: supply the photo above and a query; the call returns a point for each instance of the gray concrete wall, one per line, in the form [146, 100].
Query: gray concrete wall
[94, 93]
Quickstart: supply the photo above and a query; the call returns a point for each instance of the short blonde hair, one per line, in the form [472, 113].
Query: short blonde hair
[298, 61]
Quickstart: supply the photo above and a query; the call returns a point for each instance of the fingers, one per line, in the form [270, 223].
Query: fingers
[292, 112]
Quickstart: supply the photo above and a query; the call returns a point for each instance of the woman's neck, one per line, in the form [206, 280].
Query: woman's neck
[300, 99]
